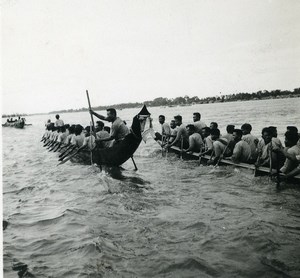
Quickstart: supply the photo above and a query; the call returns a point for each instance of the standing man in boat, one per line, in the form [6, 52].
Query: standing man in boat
[58, 122]
[118, 129]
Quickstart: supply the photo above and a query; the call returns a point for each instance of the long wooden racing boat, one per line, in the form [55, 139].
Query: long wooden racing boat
[195, 156]
[17, 124]
[119, 152]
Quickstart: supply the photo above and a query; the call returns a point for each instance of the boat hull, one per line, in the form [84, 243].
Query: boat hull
[113, 156]
[224, 162]
[15, 125]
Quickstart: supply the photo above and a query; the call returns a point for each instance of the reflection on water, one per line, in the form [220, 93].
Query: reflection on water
[168, 219]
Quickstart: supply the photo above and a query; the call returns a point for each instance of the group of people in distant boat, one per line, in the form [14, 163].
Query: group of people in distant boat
[60, 136]
[12, 122]
[238, 144]
[19, 120]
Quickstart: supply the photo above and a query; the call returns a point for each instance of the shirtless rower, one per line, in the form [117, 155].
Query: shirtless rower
[219, 146]
[242, 150]
[199, 125]
[181, 134]
[102, 134]
[195, 140]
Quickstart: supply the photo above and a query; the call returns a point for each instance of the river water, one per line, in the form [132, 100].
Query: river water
[171, 218]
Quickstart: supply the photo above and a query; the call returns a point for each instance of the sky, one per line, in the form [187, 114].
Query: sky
[137, 50]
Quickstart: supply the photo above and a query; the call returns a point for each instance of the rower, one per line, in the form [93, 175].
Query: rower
[165, 129]
[89, 140]
[213, 125]
[173, 129]
[195, 140]
[199, 125]
[58, 122]
[242, 150]
[181, 134]
[208, 143]
[250, 139]
[291, 152]
[219, 146]
[118, 129]
[78, 139]
[229, 135]
[102, 134]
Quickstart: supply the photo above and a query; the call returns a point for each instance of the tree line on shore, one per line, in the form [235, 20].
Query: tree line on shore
[186, 100]
[13, 115]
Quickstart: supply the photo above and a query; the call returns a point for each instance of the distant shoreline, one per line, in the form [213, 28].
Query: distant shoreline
[182, 101]
[187, 101]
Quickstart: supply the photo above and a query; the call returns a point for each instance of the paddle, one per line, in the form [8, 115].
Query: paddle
[181, 147]
[72, 155]
[162, 144]
[200, 158]
[90, 108]
[270, 156]
[221, 156]
[277, 172]
[68, 148]
[72, 149]
[257, 165]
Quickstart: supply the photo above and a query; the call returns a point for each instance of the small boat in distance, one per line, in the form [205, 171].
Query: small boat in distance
[17, 123]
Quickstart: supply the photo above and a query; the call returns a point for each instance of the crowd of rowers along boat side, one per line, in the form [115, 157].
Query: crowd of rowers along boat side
[237, 145]
[69, 138]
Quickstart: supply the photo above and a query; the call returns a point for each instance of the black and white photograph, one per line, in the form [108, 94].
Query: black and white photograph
[150, 138]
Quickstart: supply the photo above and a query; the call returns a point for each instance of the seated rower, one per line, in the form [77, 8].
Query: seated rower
[199, 125]
[268, 149]
[173, 129]
[77, 140]
[60, 139]
[118, 129]
[229, 135]
[213, 125]
[89, 140]
[293, 129]
[219, 146]
[165, 130]
[195, 140]
[294, 172]
[207, 140]
[242, 150]
[291, 152]
[250, 139]
[107, 129]
[102, 134]
[182, 135]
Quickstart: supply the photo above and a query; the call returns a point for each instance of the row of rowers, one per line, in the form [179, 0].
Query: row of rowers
[61, 135]
[239, 145]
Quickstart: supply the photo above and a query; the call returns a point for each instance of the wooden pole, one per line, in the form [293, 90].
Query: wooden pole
[87, 94]
[134, 164]
[181, 149]
[90, 108]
